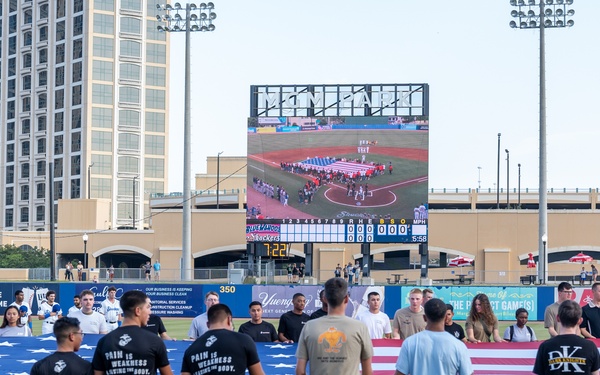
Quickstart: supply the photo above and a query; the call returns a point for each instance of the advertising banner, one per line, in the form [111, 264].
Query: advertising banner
[35, 294]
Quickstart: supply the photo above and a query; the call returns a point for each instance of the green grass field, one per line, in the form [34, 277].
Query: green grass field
[178, 327]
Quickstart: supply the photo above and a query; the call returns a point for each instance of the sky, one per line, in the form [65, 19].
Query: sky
[483, 77]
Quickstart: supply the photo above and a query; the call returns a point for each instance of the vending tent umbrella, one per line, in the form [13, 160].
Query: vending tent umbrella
[530, 261]
[581, 258]
[460, 261]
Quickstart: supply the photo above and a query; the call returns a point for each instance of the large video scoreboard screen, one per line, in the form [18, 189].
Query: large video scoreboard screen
[337, 179]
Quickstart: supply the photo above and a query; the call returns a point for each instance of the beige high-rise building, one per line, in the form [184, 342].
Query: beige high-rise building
[83, 86]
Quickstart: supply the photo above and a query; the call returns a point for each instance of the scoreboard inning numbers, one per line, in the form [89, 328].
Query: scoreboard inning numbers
[413, 232]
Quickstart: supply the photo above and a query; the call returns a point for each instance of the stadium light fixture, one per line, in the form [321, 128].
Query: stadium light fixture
[187, 19]
[556, 15]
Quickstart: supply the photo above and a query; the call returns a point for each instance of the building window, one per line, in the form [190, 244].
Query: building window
[25, 126]
[102, 70]
[75, 188]
[43, 32]
[24, 192]
[130, 72]
[12, 67]
[131, 5]
[77, 48]
[58, 167]
[152, 32]
[104, 24]
[76, 142]
[10, 152]
[10, 174]
[129, 141]
[27, 82]
[60, 8]
[12, 24]
[77, 6]
[59, 120]
[27, 60]
[102, 164]
[26, 104]
[77, 71]
[101, 117]
[156, 76]
[10, 195]
[43, 78]
[59, 76]
[129, 118]
[10, 131]
[129, 48]
[12, 45]
[60, 30]
[25, 170]
[10, 110]
[43, 56]
[41, 147]
[155, 144]
[27, 38]
[27, 17]
[128, 164]
[41, 123]
[154, 168]
[58, 190]
[155, 122]
[102, 94]
[129, 95]
[41, 190]
[42, 100]
[105, 5]
[8, 217]
[60, 53]
[75, 165]
[101, 141]
[103, 47]
[24, 215]
[58, 144]
[101, 187]
[25, 148]
[76, 118]
[40, 213]
[43, 11]
[77, 25]
[131, 25]
[59, 98]
[41, 168]
[76, 95]
[11, 88]
[156, 53]
[155, 99]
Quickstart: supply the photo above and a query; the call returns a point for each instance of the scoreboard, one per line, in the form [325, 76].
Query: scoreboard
[340, 231]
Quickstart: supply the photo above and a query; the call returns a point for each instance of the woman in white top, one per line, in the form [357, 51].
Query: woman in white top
[11, 325]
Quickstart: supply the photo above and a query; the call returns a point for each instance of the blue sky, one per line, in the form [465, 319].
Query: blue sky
[483, 77]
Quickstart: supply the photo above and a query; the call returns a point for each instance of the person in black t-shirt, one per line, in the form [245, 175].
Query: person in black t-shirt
[129, 348]
[323, 310]
[156, 326]
[292, 322]
[567, 352]
[452, 328]
[221, 350]
[64, 361]
[256, 327]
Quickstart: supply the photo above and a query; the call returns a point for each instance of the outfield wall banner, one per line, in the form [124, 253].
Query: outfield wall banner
[503, 300]
[338, 179]
[35, 294]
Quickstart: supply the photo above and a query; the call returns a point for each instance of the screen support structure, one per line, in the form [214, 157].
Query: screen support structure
[365, 250]
[308, 260]
[424, 252]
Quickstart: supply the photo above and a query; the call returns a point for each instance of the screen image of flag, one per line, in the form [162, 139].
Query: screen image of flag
[18, 354]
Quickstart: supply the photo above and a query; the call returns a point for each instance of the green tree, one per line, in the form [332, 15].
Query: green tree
[28, 257]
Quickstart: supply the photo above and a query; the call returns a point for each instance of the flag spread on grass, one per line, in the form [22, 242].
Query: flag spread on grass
[18, 354]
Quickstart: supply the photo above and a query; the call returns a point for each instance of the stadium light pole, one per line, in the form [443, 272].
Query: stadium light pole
[188, 19]
[479, 178]
[507, 178]
[218, 175]
[85, 240]
[498, 176]
[556, 15]
[90, 181]
[519, 188]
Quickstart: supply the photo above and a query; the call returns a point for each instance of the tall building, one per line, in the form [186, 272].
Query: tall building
[83, 85]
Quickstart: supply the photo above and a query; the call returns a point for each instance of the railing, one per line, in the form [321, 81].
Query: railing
[513, 190]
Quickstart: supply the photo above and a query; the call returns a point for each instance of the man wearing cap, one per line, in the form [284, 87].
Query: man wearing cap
[49, 312]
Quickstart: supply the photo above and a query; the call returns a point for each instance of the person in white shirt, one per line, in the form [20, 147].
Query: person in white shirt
[90, 321]
[376, 320]
[111, 309]
[49, 312]
[25, 313]
[520, 332]
[199, 325]
[76, 304]
[11, 325]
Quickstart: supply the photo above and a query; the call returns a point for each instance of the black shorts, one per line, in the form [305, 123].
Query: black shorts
[148, 271]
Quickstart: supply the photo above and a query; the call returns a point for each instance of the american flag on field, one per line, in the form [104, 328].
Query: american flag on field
[18, 354]
[326, 164]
